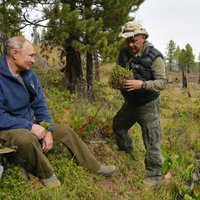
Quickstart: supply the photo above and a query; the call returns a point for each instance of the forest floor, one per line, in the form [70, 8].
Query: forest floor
[180, 117]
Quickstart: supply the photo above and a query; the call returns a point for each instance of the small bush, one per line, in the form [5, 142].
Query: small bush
[118, 76]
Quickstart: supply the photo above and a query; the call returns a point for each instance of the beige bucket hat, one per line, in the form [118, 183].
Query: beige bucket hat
[131, 29]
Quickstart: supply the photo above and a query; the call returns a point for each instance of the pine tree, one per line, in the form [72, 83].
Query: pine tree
[10, 20]
[186, 61]
[177, 53]
[189, 58]
[171, 54]
[81, 27]
[85, 27]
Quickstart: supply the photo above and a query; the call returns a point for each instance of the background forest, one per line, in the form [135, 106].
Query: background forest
[76, 47]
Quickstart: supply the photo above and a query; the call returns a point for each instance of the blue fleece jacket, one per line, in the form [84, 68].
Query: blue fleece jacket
[20, 108]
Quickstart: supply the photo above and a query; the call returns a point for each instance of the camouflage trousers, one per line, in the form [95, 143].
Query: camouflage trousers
[29, 148]
[148, 117]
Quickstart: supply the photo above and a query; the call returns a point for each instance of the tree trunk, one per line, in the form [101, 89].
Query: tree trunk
[89, 76]
[73, 70]
[184, 78]
[3, 39]
[188, 68]
[97, 71]
[170, 66]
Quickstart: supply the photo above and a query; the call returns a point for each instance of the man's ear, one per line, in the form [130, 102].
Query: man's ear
[14, 53]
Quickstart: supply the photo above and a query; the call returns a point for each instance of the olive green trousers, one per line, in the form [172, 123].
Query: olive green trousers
[148, 117]
[29, 148]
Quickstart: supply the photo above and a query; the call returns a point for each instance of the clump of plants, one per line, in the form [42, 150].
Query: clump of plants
[118, 76]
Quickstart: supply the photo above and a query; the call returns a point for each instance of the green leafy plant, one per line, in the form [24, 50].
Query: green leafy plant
[118, 76]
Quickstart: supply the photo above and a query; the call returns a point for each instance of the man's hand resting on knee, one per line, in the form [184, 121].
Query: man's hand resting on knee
[47, 142]
[45, 136]
[39, 131]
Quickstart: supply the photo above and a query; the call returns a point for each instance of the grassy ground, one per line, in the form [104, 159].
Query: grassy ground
[180, 117]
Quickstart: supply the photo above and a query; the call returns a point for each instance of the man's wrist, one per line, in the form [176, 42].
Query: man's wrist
[144, 85]
[49, 132]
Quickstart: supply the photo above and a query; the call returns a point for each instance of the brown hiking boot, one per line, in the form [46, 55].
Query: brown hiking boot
[51, 182]
[106, 170]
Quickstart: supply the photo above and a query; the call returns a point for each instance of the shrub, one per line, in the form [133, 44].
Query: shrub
[118, 76]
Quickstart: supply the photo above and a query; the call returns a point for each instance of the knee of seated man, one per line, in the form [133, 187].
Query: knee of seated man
[27, 137]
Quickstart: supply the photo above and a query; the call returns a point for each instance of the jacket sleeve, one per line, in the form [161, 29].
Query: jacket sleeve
[8, 121]
[40, 108]
[160, 80]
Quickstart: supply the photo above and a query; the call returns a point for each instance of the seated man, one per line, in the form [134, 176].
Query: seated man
[23, 111]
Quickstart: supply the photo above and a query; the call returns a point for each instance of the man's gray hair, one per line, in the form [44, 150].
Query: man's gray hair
[16, 42]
